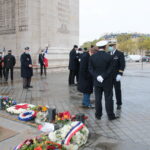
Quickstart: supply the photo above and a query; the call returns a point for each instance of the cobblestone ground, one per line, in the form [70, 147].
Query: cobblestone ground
[130, 132]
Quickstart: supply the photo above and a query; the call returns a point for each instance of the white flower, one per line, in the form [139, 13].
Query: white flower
[71, 147]
[52, 136]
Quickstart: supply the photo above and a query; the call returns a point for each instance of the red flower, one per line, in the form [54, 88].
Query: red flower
[50, 147]
[60, 115]
[38, 148]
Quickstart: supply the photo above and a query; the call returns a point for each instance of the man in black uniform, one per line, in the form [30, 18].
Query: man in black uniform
[26, 68]
[41, 62]
[9, 63]
[73, 65]
[118, 69]
[100, 67]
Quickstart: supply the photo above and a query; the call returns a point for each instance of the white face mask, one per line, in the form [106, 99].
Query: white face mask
[27, 52]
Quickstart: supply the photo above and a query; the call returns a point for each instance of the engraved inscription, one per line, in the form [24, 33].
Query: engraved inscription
[63, 15]
[22, 15]
[7, 16]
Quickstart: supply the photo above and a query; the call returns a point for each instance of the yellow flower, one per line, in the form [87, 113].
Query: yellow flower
[44, 108]
[66, 117]
[58, 118]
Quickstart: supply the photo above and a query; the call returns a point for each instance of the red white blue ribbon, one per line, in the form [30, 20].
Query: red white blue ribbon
[18, 147]
[72, 132]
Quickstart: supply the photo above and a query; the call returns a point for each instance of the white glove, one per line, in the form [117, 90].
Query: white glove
[118, 78]
[100, 79]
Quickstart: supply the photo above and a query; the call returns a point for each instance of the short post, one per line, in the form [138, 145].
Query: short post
[51, 114]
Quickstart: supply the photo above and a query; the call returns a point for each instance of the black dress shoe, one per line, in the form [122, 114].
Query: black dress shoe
[118, 107]
[113, 118]
[98, 117]
[30, 86]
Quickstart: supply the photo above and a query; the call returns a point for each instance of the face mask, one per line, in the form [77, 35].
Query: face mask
[110, 48]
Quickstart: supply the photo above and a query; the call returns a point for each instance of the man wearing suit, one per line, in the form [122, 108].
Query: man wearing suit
[73, 65]
[41, 62]
[100, 66]
[118, 69]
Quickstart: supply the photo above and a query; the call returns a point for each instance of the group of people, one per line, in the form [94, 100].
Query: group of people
[8, 62]
[99, 68]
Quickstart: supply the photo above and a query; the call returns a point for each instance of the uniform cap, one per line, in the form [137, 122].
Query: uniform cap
[9, 51]
[102, 43]
[112, 42]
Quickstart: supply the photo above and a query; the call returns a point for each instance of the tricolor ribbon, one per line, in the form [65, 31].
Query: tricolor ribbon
[18, 147]
[72, 132]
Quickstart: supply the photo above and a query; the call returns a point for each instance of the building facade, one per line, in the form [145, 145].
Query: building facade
[40, 23]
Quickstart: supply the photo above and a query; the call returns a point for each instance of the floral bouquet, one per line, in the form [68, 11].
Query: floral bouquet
[40, 108]
[41, 117]
[39, 143]
[6, 102]
[63, 117]
[72, 135]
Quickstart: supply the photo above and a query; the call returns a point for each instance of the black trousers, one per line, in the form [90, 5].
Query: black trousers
[1, 72]
[26, 82]
[72, 75]
[41, 68]
[7, 73]
[108, 101]
[117, 87]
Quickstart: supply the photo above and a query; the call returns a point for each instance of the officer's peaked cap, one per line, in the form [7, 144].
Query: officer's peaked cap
[102, 43]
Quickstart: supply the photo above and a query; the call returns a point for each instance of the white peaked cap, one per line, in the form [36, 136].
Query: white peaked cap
[102, 43]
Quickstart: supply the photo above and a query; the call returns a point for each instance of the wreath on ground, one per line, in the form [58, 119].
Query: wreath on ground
[27, 115]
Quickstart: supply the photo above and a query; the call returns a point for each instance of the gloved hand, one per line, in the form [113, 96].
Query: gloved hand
[100, 79]
[118, 78]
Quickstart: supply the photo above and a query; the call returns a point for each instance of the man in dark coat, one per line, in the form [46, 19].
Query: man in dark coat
[9, 63]
[85, 84]
[26, 68]
[118, 69]
[73, 65]
[100, 67]
[41, 62]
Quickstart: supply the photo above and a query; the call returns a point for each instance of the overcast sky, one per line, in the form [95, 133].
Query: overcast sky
[98, 17]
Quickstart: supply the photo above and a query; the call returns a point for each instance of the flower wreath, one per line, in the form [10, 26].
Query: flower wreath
[27, 116]
[19, 108]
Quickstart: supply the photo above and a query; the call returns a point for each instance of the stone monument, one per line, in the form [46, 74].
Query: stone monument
[40, 23]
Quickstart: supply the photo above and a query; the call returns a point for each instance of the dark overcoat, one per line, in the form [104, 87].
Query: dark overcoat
[26, 71]
[41, 59]
[73, 61]
[9, 61]
[85, 84]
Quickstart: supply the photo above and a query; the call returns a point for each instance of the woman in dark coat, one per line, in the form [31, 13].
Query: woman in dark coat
[85, 84]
